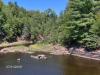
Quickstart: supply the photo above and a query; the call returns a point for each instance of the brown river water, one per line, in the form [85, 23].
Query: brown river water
[54, 65]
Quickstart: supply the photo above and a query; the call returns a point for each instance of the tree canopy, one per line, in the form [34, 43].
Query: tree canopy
[78, 24]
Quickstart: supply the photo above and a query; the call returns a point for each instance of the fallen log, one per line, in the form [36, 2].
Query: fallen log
[86, 57]
[15, 44]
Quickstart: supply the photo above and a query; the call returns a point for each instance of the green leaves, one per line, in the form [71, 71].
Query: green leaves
[82, 23]
[79, 24]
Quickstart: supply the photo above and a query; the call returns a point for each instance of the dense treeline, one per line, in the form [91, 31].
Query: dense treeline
[79, 24]
[83, 22]
[17, 22]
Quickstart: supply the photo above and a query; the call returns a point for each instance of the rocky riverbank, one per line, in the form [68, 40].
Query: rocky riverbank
[81, 52]
[53, 49]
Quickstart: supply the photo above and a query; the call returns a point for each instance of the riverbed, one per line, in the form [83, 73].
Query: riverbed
[23, 64]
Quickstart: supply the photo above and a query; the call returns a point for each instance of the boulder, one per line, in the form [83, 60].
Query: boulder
[41, 56]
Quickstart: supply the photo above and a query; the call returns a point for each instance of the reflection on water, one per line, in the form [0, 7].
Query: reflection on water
[54, 65]
[80, 66]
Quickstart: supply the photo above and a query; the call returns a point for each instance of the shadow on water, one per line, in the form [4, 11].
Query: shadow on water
[79, 66]
[54, 65]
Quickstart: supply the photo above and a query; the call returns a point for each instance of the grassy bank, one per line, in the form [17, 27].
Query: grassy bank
[22, 47]
[38, 47]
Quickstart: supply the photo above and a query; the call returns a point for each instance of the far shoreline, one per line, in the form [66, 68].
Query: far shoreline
[52, 49]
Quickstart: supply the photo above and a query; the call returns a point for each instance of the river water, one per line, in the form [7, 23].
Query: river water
[54, 65]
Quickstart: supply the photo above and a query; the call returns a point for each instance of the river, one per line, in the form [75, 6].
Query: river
[54, 65]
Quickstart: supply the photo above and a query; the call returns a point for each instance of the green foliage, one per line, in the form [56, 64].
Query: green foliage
[82, 23]
[78, 24]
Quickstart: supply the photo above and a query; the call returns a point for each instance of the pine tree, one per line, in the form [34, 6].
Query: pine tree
[79, 19]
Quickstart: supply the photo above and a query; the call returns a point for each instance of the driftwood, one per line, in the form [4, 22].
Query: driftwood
[15, 44]
[86, 57]
[71, 51]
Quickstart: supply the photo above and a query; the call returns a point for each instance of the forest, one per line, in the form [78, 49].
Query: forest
[77, 25]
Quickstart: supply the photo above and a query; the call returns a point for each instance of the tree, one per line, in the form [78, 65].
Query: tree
[2, 21]
[80, 19]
